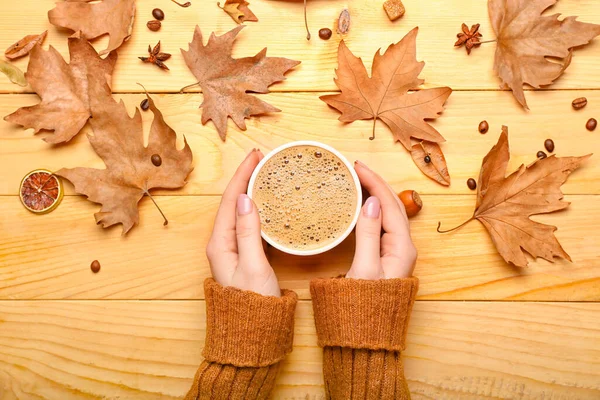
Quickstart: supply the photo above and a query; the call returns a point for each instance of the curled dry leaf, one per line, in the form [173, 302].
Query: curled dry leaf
[436, 168]
[225, 81]
[130, 171]
[96, 18]
[384, 95]
[24, 46]
[64, 89]
[504, 204]
[525, 39]
[13, 73]
[238, 11]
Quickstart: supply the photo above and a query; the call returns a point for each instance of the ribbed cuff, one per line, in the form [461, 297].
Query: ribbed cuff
[363, 314]
[247, 329]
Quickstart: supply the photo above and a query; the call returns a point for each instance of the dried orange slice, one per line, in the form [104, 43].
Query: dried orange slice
[41, 191]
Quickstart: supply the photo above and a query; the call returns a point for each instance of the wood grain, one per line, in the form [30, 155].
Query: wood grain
[49, 256]
[151, 349]
[281, 30]
[305, 117]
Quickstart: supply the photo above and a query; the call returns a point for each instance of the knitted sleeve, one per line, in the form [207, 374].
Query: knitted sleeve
[247, 337]
[362, 326]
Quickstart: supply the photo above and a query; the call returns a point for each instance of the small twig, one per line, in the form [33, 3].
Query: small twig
[187, 4]
[188, 86]
[455, 228]
[306, 22]
[373, 133]
[159, 210]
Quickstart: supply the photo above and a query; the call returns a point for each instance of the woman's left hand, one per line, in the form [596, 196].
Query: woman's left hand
[235, 250]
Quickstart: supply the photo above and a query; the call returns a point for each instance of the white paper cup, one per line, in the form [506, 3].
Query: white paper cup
[340, 238]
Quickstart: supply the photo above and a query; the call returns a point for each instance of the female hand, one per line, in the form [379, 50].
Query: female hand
[235, 251]
[387, 256]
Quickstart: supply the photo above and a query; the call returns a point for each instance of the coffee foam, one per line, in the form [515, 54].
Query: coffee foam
[306, 197]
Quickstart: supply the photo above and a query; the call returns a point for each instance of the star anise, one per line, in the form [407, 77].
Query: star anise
[156, 57]
[470, 38]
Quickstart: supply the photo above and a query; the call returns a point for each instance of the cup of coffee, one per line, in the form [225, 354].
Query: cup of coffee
[308, 197]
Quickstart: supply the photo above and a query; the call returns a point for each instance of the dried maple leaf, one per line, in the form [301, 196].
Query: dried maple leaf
[156, 57]
[469, 37]
[131, 169]
[94, 19]
[504, 204]
[526, 38]
[24, 46]
[225, 81]
[238, 11]
[64, 89]
[385, 96]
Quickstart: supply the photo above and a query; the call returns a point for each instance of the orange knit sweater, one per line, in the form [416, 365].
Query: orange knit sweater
[361, 326]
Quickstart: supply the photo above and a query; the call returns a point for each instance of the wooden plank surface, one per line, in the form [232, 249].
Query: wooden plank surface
[281, 30]
[305, 117]
[151, 349]
[49, 256]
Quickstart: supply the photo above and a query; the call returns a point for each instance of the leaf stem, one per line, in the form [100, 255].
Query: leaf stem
[373, 133]
[188, 86]
[159, 210]
[186, 4]
[487, 41]
[455, 228]
[306, 22]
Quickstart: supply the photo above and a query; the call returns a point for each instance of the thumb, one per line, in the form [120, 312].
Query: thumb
[367, 258]
[247, 230]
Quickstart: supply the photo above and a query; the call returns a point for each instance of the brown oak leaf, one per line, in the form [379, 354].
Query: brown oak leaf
[131, 169]
[64, 89]
[96, 18]
[526, 38]
[239, 11]
[385, 96]
[24, 46]
[504, 204]
[225, 81]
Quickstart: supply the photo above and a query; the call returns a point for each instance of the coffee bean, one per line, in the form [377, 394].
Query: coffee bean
[156, 160]
[471, 184]
[145, 105]
[153, 25]
[579, 103]
[158, 14]
[427, 159]
[591, 124]
[95, 266]
[541, 155]
[325, 33]
[549, 145]
[483, 127]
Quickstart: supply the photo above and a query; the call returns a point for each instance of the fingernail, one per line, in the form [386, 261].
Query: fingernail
[244, 205]
[372, 207]
[362, 164]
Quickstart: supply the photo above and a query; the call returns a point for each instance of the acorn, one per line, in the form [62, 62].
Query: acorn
[412, 202]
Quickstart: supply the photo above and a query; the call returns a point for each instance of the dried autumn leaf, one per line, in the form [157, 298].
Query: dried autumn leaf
[24, 46]
[504, 204]
[130, 171]
[64, 89]
[238, 10]
[225, 81]
[385, 96]
[436, 168]
[526, 38]
[94, 19]
[13, 73]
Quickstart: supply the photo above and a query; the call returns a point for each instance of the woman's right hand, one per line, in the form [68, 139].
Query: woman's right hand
[377, 256]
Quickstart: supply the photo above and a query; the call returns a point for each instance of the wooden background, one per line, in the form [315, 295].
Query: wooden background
[481, 329]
